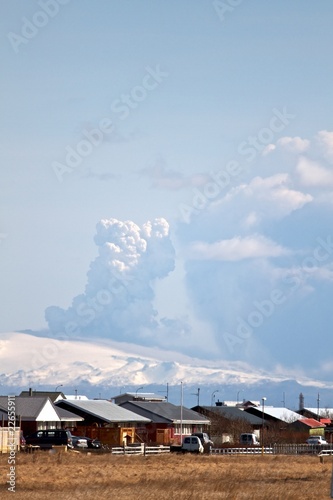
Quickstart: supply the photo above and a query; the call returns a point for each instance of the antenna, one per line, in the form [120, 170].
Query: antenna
[197, 394]
[166, 392]
[283, 399]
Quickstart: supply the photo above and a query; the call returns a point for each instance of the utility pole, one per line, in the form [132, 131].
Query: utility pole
[181, 412]
[318, 401]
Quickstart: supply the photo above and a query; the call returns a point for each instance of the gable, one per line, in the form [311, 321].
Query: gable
[48, 413]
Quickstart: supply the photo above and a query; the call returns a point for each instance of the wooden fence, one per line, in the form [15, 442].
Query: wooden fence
[242, 451]
[9, 439]
[276, 449]
[140, 449]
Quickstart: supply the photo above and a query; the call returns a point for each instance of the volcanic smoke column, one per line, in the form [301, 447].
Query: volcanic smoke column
[117, 301]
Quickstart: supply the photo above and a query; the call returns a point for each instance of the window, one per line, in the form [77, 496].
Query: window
[186, 429]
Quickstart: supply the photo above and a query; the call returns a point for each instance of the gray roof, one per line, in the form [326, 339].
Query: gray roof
[233, 413]
[165, 412]
[43, 394]
[102, 409]
[140, 396]
[67, 416]
[26, 408]
[145, 395]
[3, 411]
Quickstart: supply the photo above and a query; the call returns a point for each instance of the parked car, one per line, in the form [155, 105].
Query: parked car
[79, 442]
[316, 440]
[88, 442]
[50, 437]
[94, 443]
[248, 439]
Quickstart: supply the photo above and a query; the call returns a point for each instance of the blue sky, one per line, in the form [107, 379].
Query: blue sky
[214, 120]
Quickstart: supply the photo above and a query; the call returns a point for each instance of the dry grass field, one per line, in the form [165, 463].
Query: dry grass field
[43, 476]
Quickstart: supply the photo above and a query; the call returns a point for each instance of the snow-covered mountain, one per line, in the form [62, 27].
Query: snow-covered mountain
[42, 362]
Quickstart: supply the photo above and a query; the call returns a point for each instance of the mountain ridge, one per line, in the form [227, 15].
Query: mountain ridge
[38, 360]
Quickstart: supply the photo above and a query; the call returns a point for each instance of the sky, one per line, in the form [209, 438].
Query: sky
[167, 176]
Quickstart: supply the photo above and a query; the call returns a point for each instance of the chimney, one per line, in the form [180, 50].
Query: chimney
[301, 401]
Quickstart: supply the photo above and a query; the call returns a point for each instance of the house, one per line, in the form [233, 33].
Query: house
[3, 413]
[231, 413]
[104, 420]
[52, 395]
[278, 428]
[325, 417]
[138, 396]
[274, 414]
[37, 413]
[247, 404]
[168, 422]
[76, 396]
[228, 422]
[244, 404]
[309, 425]
[317, 413]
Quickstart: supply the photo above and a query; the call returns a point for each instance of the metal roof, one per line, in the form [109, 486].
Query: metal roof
[311, 422]
[67, 416]
[323, 412]
[76, 397]
[233, 413]
[42, 394]
[279, 413]
[144, 395]
[164, 412]
[27, 408]
[102, 409]
[138, 396]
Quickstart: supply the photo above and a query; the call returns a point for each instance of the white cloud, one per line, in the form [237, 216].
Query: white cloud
[268, 149]
[311, 173]
[325, 138]
[237, 248]
[294, 144]
[323, 273]
[269, 197]
[251, 219]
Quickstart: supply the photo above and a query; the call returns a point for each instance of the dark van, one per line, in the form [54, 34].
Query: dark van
[50, 437]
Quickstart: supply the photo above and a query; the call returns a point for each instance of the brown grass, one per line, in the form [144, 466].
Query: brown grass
[171, 476]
